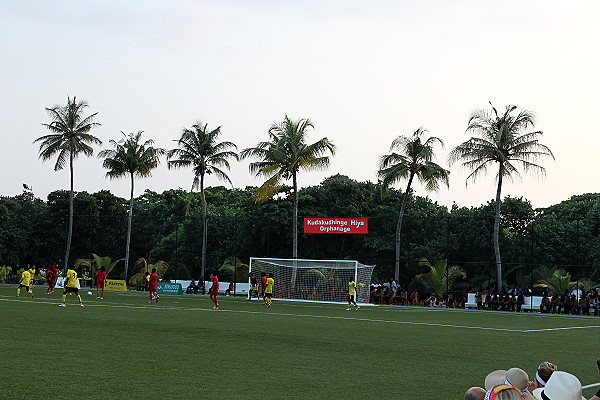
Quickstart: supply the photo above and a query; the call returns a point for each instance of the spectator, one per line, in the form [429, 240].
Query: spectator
[543, 373]
[518, 378]
[475, 393]
[504, 392]
[430, 301]
[495, 378]
[229, 289]
[192, 288]
[561, 385]
[414, 298]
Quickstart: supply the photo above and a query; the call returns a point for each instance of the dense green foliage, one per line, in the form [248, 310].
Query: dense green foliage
[565, 235]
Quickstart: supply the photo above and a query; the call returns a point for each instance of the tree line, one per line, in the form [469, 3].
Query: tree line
[168, 227]
[501, 140]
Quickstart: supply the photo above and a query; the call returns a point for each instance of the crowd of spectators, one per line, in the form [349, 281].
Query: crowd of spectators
[548, 384]
[575, 302]
[512, 298]
[392, 293]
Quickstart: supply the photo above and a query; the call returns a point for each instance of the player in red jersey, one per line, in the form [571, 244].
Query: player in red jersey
[152, 285]
[51, 277]
[214, 290]
[100, 282]
[263, 284]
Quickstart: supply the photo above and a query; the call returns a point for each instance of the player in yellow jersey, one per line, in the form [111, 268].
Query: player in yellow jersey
[71, 286]
[25, 282]
[33, 273]
[269, 290]
[352, 295]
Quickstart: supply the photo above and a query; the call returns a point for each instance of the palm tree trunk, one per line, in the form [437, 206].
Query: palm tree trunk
[497, 231]
[204, 229]
[129, 219]
[295, 220]
[70, 230]
[399, 227]
[294, 233]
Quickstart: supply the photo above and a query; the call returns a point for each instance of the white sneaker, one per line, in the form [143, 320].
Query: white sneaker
[82, 305]
[62, 305]
[348, 309]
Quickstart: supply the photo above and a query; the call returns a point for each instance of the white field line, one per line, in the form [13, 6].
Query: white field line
[157, 307]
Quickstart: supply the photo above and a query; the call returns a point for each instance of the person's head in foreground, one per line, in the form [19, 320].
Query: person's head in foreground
[475, 393]
[543, 373]
[560, 386]
[518, 378]
[504, 392]
[494, 378]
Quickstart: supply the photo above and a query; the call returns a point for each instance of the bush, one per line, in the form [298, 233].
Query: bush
[5, 271]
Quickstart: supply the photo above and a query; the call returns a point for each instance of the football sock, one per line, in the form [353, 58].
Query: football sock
[64, 297]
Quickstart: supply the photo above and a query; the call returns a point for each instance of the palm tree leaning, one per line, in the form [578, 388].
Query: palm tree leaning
[199, 148]
[130, 157]
[70, 137]
[411, 156]
[283, 156]
[503, 140]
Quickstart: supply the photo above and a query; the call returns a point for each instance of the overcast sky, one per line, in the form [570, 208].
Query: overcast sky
[363, 71]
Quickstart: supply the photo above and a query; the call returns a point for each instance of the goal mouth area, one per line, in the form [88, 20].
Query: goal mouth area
[320, 281]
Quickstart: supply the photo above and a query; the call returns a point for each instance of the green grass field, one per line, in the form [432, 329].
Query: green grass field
[124, 348]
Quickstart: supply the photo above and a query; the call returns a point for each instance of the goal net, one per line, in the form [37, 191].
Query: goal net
[314, 280]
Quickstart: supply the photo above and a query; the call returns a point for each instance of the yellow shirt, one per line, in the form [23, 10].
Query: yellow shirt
[71, 278]
[25, 278]
[270, 284]
[32, 273]
[352, 288]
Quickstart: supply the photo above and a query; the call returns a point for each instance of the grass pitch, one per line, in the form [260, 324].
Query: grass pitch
[124, 348]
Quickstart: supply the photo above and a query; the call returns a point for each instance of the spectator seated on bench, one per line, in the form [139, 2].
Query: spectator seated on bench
[192, 288]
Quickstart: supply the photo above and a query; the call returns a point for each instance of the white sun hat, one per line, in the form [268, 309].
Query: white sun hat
[560, 386]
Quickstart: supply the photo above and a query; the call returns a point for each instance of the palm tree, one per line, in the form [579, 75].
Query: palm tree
[411, 157]
[98, 263]
[70, 137]
[559, 282]
[505, 140]
[283, 156]
[161, 270]
[440, 278]
[200, 149]
[130, 157]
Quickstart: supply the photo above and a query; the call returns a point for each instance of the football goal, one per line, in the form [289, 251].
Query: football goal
[314, 280]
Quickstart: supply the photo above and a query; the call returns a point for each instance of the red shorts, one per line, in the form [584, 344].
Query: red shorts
[152, 289]
[214, 292]
[100, 284]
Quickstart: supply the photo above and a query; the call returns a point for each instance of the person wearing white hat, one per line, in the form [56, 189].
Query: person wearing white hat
[560, 386]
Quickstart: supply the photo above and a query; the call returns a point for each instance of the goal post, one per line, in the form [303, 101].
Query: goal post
[314, 280]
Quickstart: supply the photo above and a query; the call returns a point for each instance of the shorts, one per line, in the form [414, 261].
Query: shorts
[269, 295]
[152, 288]
[23, 286]
[100, 284]
[71, 290]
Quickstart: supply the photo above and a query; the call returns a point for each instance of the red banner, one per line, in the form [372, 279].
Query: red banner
[336, 225]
